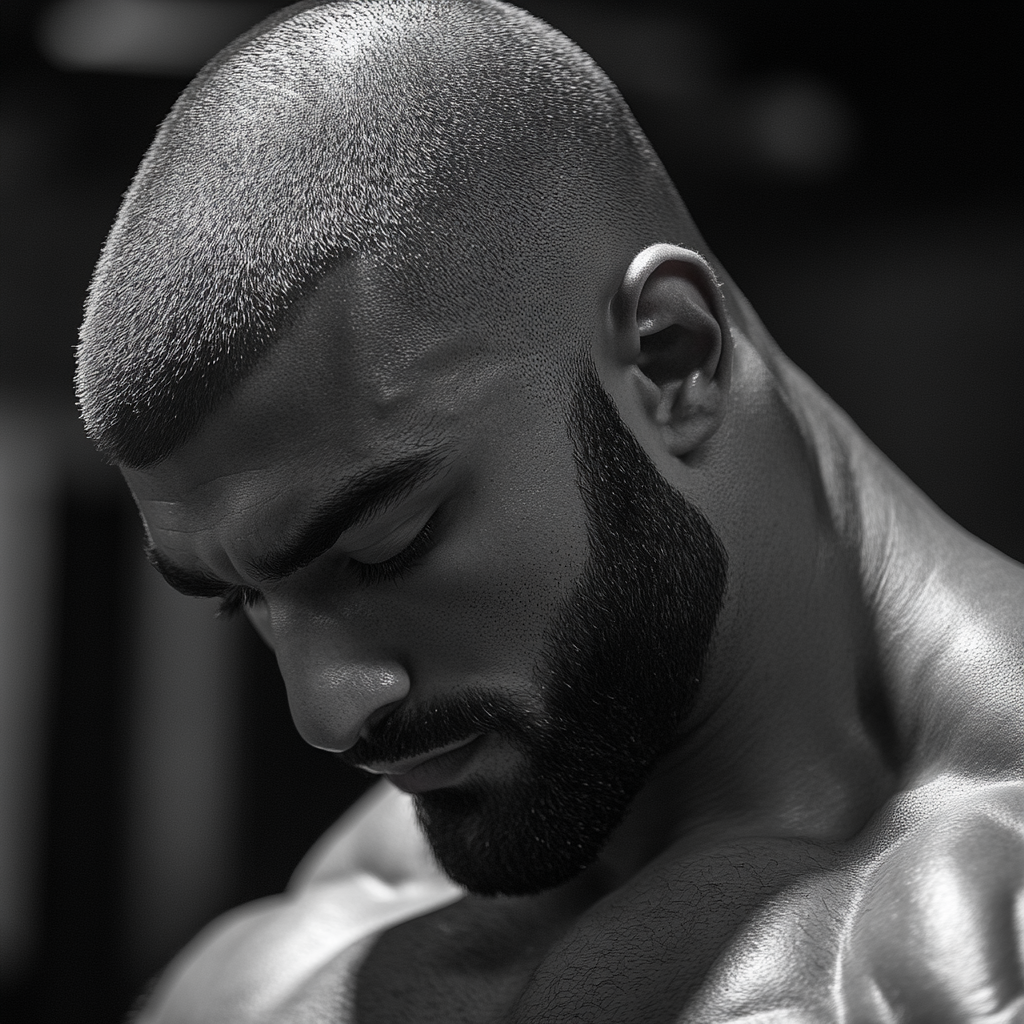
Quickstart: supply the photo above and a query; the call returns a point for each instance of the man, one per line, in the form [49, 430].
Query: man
[691, 707]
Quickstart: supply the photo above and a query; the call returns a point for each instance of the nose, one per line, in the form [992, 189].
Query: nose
[335, 688]
[331, 708]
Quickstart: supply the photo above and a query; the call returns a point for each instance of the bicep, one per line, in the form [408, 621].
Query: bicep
[369, 872]
[218, 972]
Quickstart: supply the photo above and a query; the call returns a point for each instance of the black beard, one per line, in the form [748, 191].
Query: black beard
[619, 673]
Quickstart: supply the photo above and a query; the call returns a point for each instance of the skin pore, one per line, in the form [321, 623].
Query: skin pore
[511, 546]
[409, 348]
[620, 670]
[804, 724]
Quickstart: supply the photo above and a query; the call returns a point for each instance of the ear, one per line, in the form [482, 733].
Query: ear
[672, 334]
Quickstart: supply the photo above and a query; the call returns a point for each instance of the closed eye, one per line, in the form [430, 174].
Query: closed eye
[235, 598]
[398, 565]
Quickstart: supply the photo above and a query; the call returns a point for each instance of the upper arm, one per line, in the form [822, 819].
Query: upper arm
[369, 872]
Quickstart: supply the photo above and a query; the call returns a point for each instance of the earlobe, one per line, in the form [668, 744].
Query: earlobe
[673, 339]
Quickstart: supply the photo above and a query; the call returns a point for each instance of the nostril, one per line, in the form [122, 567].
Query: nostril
[376, 717]
[334, 702]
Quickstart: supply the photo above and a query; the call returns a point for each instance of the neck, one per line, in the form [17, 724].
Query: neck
[793, 734]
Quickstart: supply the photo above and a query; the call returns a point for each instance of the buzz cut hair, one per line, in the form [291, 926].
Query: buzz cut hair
[399, 132]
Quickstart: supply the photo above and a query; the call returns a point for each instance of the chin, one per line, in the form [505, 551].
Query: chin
[514, 840]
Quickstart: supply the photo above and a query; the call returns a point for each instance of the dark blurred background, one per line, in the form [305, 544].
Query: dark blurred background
[857, 168]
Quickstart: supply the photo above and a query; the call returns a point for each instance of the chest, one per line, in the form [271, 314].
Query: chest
[465, 963]
[648, 953]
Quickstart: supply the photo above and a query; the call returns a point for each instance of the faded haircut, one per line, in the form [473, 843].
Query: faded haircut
[407, 134]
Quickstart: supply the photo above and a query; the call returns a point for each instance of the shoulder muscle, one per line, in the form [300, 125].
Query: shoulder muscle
[369, 872]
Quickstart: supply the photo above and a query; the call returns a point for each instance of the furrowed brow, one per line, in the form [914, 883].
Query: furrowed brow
[186, 581]
[367, 494]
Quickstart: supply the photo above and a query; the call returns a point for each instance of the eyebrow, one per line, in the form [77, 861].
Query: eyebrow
[362, 496]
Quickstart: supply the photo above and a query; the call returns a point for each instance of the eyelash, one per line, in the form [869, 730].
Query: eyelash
[396, 566]
[236, 598]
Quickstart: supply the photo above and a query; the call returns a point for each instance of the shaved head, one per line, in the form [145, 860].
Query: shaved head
[463, 148]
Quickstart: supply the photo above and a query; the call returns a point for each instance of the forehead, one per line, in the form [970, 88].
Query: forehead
[358, 377]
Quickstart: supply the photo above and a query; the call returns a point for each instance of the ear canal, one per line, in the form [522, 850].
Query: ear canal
[679, 336]
[676, 354]
[676, 340]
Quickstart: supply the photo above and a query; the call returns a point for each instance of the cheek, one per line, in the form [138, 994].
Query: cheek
[495, 586]
[499, 599]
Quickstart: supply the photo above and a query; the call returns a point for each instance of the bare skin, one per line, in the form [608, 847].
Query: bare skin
[839, 836]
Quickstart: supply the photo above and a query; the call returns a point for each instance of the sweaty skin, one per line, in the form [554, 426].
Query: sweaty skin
[838, 836]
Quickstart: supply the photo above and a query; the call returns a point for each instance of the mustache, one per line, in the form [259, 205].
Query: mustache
[410, 732]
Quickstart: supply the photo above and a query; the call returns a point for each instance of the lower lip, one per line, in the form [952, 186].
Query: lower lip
[438, 772]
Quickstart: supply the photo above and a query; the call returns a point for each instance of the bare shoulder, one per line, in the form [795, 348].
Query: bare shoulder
[961, 698]
[937, 932]
[915, 920]
[912, 920]
[370, 871]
